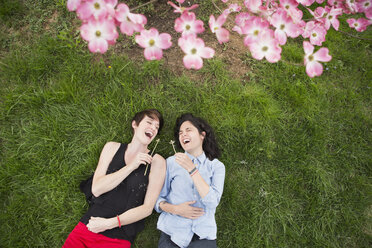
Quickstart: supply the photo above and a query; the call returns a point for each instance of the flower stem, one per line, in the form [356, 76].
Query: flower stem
[152, 152]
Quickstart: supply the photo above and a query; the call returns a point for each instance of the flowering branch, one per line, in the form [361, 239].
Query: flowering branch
[265, 26]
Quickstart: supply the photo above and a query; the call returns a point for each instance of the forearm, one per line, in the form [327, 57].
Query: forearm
[167, 207]
[110, 181]
[201, 186]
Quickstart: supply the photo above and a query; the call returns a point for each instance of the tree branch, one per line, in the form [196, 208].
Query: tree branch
[143, 5]
[361, 38]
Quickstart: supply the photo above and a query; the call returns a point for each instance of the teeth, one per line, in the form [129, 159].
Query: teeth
[149, 134]
[185, 141]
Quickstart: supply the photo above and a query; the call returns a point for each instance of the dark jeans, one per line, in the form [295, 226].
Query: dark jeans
[166, 242]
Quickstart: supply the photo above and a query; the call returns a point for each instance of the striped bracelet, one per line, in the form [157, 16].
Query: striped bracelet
[193, 170]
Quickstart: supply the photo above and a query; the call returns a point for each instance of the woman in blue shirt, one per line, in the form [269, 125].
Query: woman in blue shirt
[192, 189]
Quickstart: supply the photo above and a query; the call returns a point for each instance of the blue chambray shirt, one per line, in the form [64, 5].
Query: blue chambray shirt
[179, 187]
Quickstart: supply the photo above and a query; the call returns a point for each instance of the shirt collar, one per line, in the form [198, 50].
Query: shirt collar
[201, 158]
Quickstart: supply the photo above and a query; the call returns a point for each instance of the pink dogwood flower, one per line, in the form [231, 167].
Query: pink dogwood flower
[253, 30]
[351, 6]
[284, 27]
[266, 46]
[99, 34]
[179, 9]
[72, 5]
[97, 9]
[216, 27]
[187, 24]
[129, 22]
[360, 25]
[313, 67]
[364, 5]
[195, 50]
[327, 16]
[316, 32]
[154, 43]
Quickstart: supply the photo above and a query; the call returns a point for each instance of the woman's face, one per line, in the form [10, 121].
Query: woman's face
[190, 138]
[146, 130]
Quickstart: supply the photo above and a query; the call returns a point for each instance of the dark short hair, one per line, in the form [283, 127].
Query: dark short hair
[210, 145]
[151, 113]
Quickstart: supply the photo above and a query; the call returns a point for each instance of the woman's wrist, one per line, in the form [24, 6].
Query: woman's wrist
[113, 222]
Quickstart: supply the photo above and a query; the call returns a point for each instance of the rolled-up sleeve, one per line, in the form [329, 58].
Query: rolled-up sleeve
[212, 199]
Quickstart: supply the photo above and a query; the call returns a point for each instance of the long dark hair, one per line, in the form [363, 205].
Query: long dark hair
[210, 145]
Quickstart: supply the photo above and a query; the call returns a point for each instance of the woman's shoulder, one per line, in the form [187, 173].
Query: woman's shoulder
[158, 158]
[171, 159]
[217, 162]
[111, 147]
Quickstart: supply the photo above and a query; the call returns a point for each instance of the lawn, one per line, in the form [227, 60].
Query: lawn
[297, 150]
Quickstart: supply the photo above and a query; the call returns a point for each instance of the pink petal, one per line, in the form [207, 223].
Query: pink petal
[221, 20]
[206, 52]
[222, 35]
[127, 28]
[314, 68]
[308, 48]
[84, 11]
[274, 55]
[280, 36]
[199, 26]
[193, 62]
[211, 22]
[141, 41]
[122, 11]
[98, 45]
[85, 32]
[153, 53]
[178, 25]
[322, 55]
[164, 41]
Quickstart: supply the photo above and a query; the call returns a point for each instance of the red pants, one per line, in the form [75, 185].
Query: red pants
[81, 237]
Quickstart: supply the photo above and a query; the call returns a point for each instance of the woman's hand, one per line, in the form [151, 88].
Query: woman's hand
[186, 210]
[98, 224]
[184, 160]
[140, 158]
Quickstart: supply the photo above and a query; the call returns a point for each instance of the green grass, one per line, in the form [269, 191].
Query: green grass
[297, 150]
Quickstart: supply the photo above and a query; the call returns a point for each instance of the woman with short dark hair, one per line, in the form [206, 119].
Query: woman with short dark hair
[122, 191]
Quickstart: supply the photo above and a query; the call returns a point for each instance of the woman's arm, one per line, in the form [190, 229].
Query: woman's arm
[156, 180]
[184, 209]
[210, 194]
[102, 182]
[184, 160]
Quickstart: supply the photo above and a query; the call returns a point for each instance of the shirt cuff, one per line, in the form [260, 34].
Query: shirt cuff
[157, 208]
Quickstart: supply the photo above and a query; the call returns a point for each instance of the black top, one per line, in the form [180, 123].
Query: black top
[130, 193]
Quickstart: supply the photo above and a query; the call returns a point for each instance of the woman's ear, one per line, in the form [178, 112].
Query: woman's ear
[203, 134]
[134, 124]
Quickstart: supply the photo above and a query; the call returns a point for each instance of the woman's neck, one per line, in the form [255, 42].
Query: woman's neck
[135, 146]
[196, 153]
